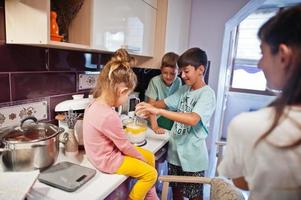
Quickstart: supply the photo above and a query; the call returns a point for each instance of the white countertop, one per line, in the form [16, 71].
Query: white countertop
[100, 186]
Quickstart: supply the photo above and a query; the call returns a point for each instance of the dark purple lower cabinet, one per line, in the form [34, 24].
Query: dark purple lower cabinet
[120, 193]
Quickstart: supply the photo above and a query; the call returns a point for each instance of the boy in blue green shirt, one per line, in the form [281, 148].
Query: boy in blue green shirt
[162, 86]
[194, 103]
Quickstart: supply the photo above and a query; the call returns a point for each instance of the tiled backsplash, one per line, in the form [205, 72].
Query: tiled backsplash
[42, 84]
[31, 76]
[4, 88]
[14, 114]
[87, 81]
[35, 76]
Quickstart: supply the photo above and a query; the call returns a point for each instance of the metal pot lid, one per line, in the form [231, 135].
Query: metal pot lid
[30, 132]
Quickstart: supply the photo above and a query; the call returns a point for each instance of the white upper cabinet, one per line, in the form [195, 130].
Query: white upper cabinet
[28, 22]
[124, 23]
[177, 26]
[172, 30]
[100, 25]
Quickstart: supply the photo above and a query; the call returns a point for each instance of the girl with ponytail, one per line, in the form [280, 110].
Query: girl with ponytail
[106, 144]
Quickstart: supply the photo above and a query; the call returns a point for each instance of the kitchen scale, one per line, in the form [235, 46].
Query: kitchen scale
[66, 176]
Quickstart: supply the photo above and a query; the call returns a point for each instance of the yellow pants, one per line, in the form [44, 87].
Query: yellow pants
[145, 173]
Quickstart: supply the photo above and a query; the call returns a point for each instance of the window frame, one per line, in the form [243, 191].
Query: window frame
[249, 62]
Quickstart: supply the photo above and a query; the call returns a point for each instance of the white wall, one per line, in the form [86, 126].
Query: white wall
[242, 102]
[208, 18]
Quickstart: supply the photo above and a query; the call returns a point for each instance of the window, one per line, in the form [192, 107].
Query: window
[245, 74]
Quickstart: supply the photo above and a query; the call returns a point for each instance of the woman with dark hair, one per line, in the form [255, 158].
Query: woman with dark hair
[264, 147]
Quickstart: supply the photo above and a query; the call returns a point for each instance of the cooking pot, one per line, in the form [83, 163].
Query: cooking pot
[29, 146]
[135, 129]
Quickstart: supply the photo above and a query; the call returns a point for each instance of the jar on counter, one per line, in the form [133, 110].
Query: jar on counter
[135, 129]
[71, 144]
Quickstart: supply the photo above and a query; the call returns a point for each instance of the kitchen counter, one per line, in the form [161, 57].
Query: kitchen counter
[101, 185]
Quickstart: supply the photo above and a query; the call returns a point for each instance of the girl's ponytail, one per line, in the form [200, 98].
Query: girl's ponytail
[118, 70]
[120, 58]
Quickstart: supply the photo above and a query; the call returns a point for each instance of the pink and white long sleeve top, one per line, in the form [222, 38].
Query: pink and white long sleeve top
[105, 141]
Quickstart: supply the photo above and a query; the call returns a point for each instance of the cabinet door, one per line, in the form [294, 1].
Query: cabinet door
[27, 21]
[177, 26]
[129, 24]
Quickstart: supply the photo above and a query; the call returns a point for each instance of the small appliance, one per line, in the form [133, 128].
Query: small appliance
[129, 106]
[78, 105]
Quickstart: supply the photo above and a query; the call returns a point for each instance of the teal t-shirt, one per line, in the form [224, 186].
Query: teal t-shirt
[157, 90]
[187, 146]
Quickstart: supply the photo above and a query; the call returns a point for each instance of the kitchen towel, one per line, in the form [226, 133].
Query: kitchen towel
[15, 185]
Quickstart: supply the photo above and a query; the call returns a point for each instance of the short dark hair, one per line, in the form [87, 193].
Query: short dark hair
[194, 57]
[170, 60]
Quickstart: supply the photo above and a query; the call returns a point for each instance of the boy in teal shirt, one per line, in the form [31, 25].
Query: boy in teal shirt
[162, 86]
[195, 103]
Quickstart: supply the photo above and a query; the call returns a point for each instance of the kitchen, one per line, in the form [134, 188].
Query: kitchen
[28, 70]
